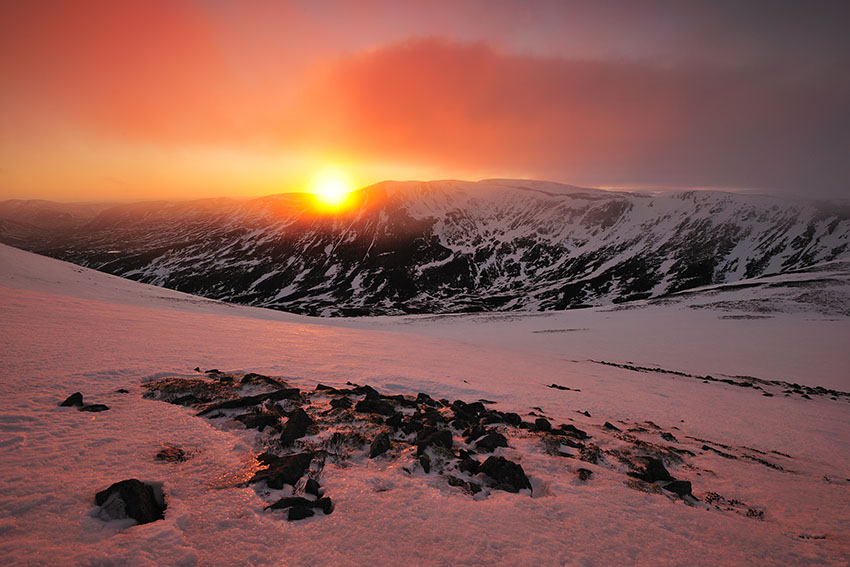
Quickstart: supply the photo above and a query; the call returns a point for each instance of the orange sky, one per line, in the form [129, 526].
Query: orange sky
[128, 99]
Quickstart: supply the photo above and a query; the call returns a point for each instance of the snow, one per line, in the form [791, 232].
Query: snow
[65, 328]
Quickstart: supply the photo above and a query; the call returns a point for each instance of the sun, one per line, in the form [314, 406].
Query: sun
[331, 189]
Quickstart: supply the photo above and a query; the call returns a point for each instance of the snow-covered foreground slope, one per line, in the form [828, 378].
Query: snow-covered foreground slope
[64, 328]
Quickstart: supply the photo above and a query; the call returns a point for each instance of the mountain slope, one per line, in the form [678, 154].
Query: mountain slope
[785, 457]
[449, 246]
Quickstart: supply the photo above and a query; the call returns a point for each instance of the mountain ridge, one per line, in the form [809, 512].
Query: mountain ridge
[451, 246]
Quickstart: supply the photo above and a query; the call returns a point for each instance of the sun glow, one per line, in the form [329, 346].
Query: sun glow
[332, 190]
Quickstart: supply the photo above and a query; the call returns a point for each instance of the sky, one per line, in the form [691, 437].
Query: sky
[131, 99]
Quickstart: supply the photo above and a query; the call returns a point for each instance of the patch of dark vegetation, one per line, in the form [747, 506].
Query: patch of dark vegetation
[171, 454]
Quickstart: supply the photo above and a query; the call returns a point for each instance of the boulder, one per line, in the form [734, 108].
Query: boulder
[94, 408]
[490, 441]
[259, 420]
[296, 427]
[343, 403]
[425, 462]
[312, 487]
[542, 424]
[429, 437]
[507, 475]
[374, 405]
[299, 513]
[569, 429]
[512, 418]
[584, 474]
[74, 400]
[282, 470]
[131, 499]
[654, 471]
[680, 487]
[289, 502]
[325, 504]
[380, 445]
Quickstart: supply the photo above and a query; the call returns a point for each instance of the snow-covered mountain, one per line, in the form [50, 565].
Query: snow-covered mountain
[449, 246]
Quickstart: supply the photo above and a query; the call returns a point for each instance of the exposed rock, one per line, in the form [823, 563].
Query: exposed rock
[94, 408]
[342, 402]
[589, 453]
[122, 391]
[254, 378]
[371, 405]
[558, 387]
[610, 426]
[468, 463]
[171, 454]
[74, 400]
[428, 437]
[380, 445]
[296, 427]
[669, 437]
[584, 474]
[425, 399]
[512, 418]
[299, 513]
[542, 424]
[473, 433]
[490, 441]
[508, 475]
[569, 429]
[654, 471]
[470, 487]
[312, 487]
[325, 504]
[282, 470]
[395, 420]
[289, 502]
[131, 499]
[247, 401]
[425, 461]
[680, 487]
[259, 420]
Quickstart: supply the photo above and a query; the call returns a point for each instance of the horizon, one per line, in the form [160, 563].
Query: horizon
[185, 99]
[641, 190]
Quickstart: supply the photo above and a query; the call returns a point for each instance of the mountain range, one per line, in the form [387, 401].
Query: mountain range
[439, 247]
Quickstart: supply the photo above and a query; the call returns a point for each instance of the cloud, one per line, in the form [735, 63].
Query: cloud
[469, 106]
[144, 69]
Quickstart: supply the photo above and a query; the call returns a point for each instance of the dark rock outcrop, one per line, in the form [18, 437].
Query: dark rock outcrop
[653, 471]
[74, 400]
[282, 470]
[296, 427]
[131, 499]
[380, 445]
[507, 475]
[680, 487]
[490, 441]
[94, 408]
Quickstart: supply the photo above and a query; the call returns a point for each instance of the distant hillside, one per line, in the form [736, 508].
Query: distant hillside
[447, 246]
